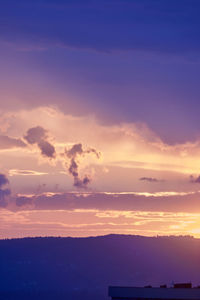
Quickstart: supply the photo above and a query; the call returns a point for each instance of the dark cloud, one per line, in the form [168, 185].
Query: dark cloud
[194, 180]
[47, 149]
[3, 180]
[7, 142]
[73, 154]
[75, 150]
[39, 136]
[35, 135]
[24, 201]
[82, 183]
[150, 179]
[4, 192]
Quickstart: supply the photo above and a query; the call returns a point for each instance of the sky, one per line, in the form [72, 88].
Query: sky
[99, 117]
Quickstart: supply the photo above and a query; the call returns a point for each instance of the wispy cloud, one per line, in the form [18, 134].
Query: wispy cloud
[15, 172]
[7, 142]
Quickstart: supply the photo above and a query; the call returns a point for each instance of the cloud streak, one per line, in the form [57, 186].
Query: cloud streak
[15, 172]
[7, 142]
[150, 179]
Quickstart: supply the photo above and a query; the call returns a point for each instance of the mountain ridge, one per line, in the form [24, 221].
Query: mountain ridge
[87, 266]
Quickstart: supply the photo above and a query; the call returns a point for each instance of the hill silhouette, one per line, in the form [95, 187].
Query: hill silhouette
[82, 268]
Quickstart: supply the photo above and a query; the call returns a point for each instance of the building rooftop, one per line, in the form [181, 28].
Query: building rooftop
[178, 292]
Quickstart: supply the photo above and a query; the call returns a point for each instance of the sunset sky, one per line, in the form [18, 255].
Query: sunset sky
[99, 117]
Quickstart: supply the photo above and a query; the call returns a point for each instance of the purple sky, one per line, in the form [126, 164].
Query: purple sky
[97, 97]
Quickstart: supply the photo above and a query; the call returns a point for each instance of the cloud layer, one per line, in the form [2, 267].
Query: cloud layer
[133, 159]
[126, 149]
[154, 202]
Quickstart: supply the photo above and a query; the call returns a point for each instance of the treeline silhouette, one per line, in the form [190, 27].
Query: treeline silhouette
[82, 268]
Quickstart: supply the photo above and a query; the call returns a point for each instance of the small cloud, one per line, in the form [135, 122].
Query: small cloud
[194, 180]
[151, 179]
[4, 192]
[39, 136]
[73, 153]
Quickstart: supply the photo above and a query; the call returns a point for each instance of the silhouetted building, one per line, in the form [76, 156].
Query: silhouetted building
[183, 291]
